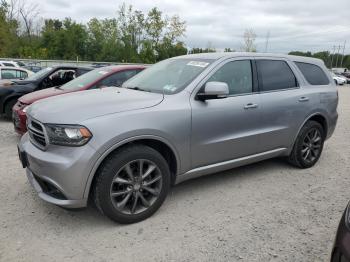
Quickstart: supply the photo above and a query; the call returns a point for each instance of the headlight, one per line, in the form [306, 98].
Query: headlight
[68, 135]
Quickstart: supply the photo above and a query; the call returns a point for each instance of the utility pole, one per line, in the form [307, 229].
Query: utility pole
[342, 58]
[332, 56]
[336, 63]
[267, 41]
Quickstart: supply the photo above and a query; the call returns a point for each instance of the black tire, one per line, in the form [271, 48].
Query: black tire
[8, 108]
[110, 171]
[299, 156]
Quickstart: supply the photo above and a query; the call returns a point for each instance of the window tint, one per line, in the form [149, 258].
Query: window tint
[118, 79]
[23, 74]
[313, 73]
[8, 74]
[274, 75]
[9, 64]
[237, 75]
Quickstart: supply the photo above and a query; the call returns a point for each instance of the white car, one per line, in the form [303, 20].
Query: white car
[11, 63]
[339, 80]
[13, 73]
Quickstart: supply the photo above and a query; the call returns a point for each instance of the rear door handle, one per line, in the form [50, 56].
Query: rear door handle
[303, 99]
[250, 105]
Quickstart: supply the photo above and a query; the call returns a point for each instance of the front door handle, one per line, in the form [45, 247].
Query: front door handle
[303, 99]
[250, 105]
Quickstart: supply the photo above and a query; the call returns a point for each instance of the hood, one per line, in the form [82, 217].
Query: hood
[37, 95]
[76, 107]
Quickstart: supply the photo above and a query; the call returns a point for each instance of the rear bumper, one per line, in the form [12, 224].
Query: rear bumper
[332, 123]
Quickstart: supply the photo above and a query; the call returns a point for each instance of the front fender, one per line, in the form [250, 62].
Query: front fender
[106, 152]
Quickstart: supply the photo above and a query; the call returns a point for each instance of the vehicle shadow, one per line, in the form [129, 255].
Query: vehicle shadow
[91, 217]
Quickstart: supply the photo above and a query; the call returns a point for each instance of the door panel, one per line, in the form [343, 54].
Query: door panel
[223, 129]
[282, 115]
[284, 105]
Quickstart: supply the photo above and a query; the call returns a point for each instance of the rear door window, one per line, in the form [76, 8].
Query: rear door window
[275, 75]
[313, 73]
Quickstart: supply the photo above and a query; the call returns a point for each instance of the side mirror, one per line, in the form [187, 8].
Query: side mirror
[213, 90]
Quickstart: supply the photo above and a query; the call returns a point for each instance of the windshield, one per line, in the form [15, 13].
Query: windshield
[169, 76]
[85, 79]
[39, 74]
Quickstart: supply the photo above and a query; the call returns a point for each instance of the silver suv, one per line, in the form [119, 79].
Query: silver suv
[182, 118]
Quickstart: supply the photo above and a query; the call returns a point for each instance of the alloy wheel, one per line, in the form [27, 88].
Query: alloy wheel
[136, 186]
[311, 147]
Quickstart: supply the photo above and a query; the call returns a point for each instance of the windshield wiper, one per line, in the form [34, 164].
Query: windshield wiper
[137, 88]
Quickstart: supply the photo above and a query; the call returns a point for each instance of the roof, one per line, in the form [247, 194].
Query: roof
[223, 55]
[116, 68]
[72, 67]
[15, 68]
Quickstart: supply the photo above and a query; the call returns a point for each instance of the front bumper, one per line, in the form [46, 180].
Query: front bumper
[341, 248]
[60, 174]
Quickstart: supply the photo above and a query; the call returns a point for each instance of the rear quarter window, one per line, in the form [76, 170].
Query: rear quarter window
[313, 73]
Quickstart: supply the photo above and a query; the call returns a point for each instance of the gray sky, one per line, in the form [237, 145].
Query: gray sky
[307, 25]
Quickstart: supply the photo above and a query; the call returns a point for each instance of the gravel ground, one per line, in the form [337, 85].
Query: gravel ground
[267, 211]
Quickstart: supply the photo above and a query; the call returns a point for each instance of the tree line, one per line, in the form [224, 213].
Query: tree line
[132, 36]
[330, 60]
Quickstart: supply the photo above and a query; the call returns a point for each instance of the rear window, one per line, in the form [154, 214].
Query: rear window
[313, 73]
[275, 75]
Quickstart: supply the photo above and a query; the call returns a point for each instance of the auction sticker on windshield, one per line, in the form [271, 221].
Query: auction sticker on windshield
[198, 63]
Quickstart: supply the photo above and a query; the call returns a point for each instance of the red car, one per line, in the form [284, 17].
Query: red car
[98, 78]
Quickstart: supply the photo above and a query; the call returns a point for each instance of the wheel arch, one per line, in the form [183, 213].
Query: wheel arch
[158, 143]
[318, 117]
[8, 99]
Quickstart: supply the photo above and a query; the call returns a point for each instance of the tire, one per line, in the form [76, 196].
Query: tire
[8, 108]
[119, 175]
[308, 148]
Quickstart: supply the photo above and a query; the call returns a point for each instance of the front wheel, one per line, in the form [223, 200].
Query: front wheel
[132, 184]
[308, 145]
[8, 108]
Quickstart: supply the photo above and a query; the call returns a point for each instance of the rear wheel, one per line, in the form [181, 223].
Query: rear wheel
[308, 145]
[8, 108]
[132, 184]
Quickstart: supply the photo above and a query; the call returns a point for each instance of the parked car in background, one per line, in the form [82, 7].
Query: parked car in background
[14, 73]
[33, 68]
[339, 80]
[48, 77]
[346, 75]
[98, 78]
[179, 119]
[341, 247]
[11, 63]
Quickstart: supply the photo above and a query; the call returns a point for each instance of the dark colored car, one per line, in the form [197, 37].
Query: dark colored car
[106, 76]
[33, 68]
[46, 78]
[341, 248]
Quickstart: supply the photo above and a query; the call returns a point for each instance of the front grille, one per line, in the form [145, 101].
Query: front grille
[37, 133]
